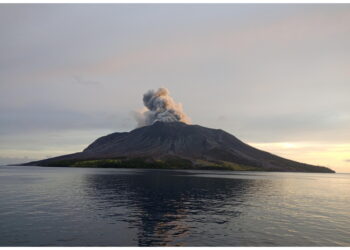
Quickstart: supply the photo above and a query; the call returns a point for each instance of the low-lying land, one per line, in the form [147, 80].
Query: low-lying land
[170, 163]
[147, 163]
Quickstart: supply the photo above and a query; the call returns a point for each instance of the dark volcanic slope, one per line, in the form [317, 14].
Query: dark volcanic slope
[192, 142]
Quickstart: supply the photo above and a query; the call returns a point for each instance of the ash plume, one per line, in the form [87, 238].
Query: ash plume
[160, 106]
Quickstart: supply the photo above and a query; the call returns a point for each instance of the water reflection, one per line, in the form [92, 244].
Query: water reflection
[124, 207]
[164, 205]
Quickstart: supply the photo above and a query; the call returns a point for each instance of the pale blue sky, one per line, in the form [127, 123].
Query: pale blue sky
[266, 73]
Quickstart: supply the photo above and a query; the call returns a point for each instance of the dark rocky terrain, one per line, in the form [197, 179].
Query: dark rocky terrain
[177, 145]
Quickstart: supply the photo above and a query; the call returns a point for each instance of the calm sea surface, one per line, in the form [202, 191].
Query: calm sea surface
[122, 207]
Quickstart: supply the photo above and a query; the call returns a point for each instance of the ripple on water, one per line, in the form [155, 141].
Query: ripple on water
[118, 207]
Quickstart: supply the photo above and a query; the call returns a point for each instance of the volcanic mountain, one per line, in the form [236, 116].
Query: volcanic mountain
[177, 145]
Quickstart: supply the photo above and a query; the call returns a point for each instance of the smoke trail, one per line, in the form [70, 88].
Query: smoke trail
[160, 106]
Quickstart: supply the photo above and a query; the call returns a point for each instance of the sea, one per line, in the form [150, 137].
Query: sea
[49, 206]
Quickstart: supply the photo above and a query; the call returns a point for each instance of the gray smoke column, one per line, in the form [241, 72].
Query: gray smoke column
[160, 106]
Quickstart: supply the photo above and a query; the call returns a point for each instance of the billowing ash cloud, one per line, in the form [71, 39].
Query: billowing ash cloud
[160, 106]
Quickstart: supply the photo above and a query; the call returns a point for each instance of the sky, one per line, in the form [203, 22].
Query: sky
[274, 75]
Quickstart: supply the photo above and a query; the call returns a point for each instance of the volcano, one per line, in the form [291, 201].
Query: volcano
[180, 146]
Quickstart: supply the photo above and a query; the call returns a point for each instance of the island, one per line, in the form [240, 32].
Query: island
[177, 145]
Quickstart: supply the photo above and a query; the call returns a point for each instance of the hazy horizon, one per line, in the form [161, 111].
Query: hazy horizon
[273, 75]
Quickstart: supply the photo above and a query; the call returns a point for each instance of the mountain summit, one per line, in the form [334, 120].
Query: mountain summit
[177, 145]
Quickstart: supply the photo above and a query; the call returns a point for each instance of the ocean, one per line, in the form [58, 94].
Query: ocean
[48, 206]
